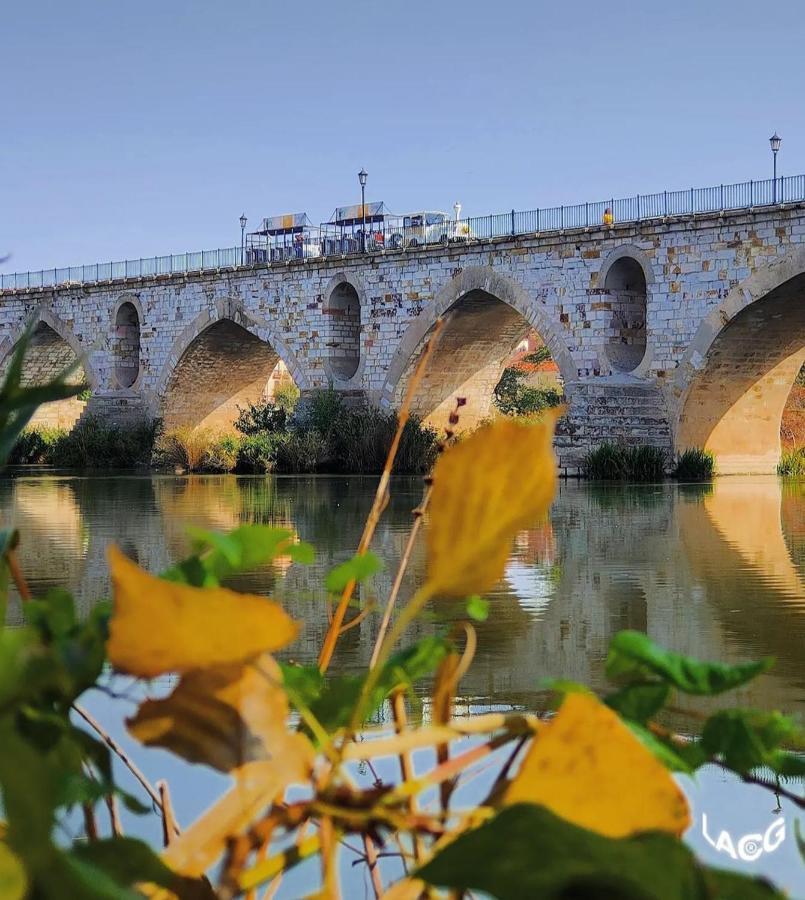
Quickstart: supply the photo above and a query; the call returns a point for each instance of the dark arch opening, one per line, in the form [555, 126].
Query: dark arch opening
[625, 283]
[224, 369]
[734, 406]
[48, 355]
[126, 345]
[344, 333]
[484, 340]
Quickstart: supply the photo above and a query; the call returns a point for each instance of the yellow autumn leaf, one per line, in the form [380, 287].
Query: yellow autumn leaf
[587, 767]
[225, 717]
[486, 489]
[160, 626]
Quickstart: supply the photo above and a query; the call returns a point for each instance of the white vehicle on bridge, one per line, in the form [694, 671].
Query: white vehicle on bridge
[428, 227]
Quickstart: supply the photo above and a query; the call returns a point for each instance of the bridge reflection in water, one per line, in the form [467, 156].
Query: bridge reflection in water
[714, 571]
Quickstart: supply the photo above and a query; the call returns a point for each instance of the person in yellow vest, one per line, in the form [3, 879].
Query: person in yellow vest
[608, 217]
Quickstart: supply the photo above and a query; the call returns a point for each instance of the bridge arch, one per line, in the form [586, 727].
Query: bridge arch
[53, 347]
[222, 360]
[127, 318]
[344, 300]
[734, 380]
[490, 313]
[626, 276]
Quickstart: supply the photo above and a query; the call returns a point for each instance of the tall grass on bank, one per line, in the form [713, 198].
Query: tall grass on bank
[92, 444]
[613, 462]
[695, 464]
[792, 463]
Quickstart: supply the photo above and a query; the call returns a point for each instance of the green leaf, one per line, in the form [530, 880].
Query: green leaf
[217, 555]
[19, 403]
[670, 756]
[332, 700]
[302, 553]
[9, 538]
[639, 701]
[128, 861]
[359, 568]
[53, 615]
[478, 608]
[527, 851]
[746, 739]
[732, 886]
[633, 655]
[13, 880]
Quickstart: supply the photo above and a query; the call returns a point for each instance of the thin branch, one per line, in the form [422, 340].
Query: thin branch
[17, 576]
[381, 498]
[371, 862]
[123, 757]
[169, 827]
[398, 578]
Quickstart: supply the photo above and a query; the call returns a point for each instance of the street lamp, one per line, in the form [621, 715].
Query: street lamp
[362, 176]
[775, 140]
[243, 221]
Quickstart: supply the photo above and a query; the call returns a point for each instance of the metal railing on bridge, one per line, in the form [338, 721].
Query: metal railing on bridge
[394, 234]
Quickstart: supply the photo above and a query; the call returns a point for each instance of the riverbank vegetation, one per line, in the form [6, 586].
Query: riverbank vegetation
[590, 787]
[90, 444]
[616, 462]
[695, 464]
[326, 436]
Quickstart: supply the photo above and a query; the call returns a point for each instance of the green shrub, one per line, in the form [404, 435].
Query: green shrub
[257, 453]
[221, 455]
[792, 463]
[36, 445]
[261, 417]
[695, 464]
[613, 462]
[303, 450]
[286, 396]
[324, 411]
[513, 398]
[183, 448]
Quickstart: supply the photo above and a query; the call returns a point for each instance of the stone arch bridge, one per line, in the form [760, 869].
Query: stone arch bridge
[677, 331]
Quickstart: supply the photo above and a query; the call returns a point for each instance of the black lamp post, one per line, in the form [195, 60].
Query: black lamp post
[362, 176]
[775, 140]
[243, 221]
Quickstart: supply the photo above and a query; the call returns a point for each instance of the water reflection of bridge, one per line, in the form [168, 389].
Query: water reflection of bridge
[707, 571]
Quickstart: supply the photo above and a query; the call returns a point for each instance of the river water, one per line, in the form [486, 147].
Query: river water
[715, 571]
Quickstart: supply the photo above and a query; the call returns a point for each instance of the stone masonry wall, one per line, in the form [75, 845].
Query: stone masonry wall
[693, 268]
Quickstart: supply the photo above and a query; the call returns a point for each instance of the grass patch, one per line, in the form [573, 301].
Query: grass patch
[695, 464]
[613, 462]
[792, 463]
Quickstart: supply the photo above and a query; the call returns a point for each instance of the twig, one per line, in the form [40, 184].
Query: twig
[398, 578]
[357, 619]
[406, 764]
[381, 498]
[123, 757]
[90, 825]
[169, 827]
[114, 815]
[17, 576]
[371, 862]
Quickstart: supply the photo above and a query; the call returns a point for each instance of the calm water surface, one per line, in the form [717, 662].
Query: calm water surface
[716, 571]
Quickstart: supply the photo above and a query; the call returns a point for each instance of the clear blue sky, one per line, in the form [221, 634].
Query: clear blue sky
[130, 129]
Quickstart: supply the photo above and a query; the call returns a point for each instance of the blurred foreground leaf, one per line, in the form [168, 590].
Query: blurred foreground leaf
[227, 716]
[485, 489]
[586, 766]
[528, 852]
[160, 626]
[633, 655]
[19, 402]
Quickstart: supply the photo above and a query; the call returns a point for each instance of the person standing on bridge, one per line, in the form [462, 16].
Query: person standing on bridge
[608, 218]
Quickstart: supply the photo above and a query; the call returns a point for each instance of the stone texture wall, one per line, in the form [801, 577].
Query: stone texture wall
[696, 273]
